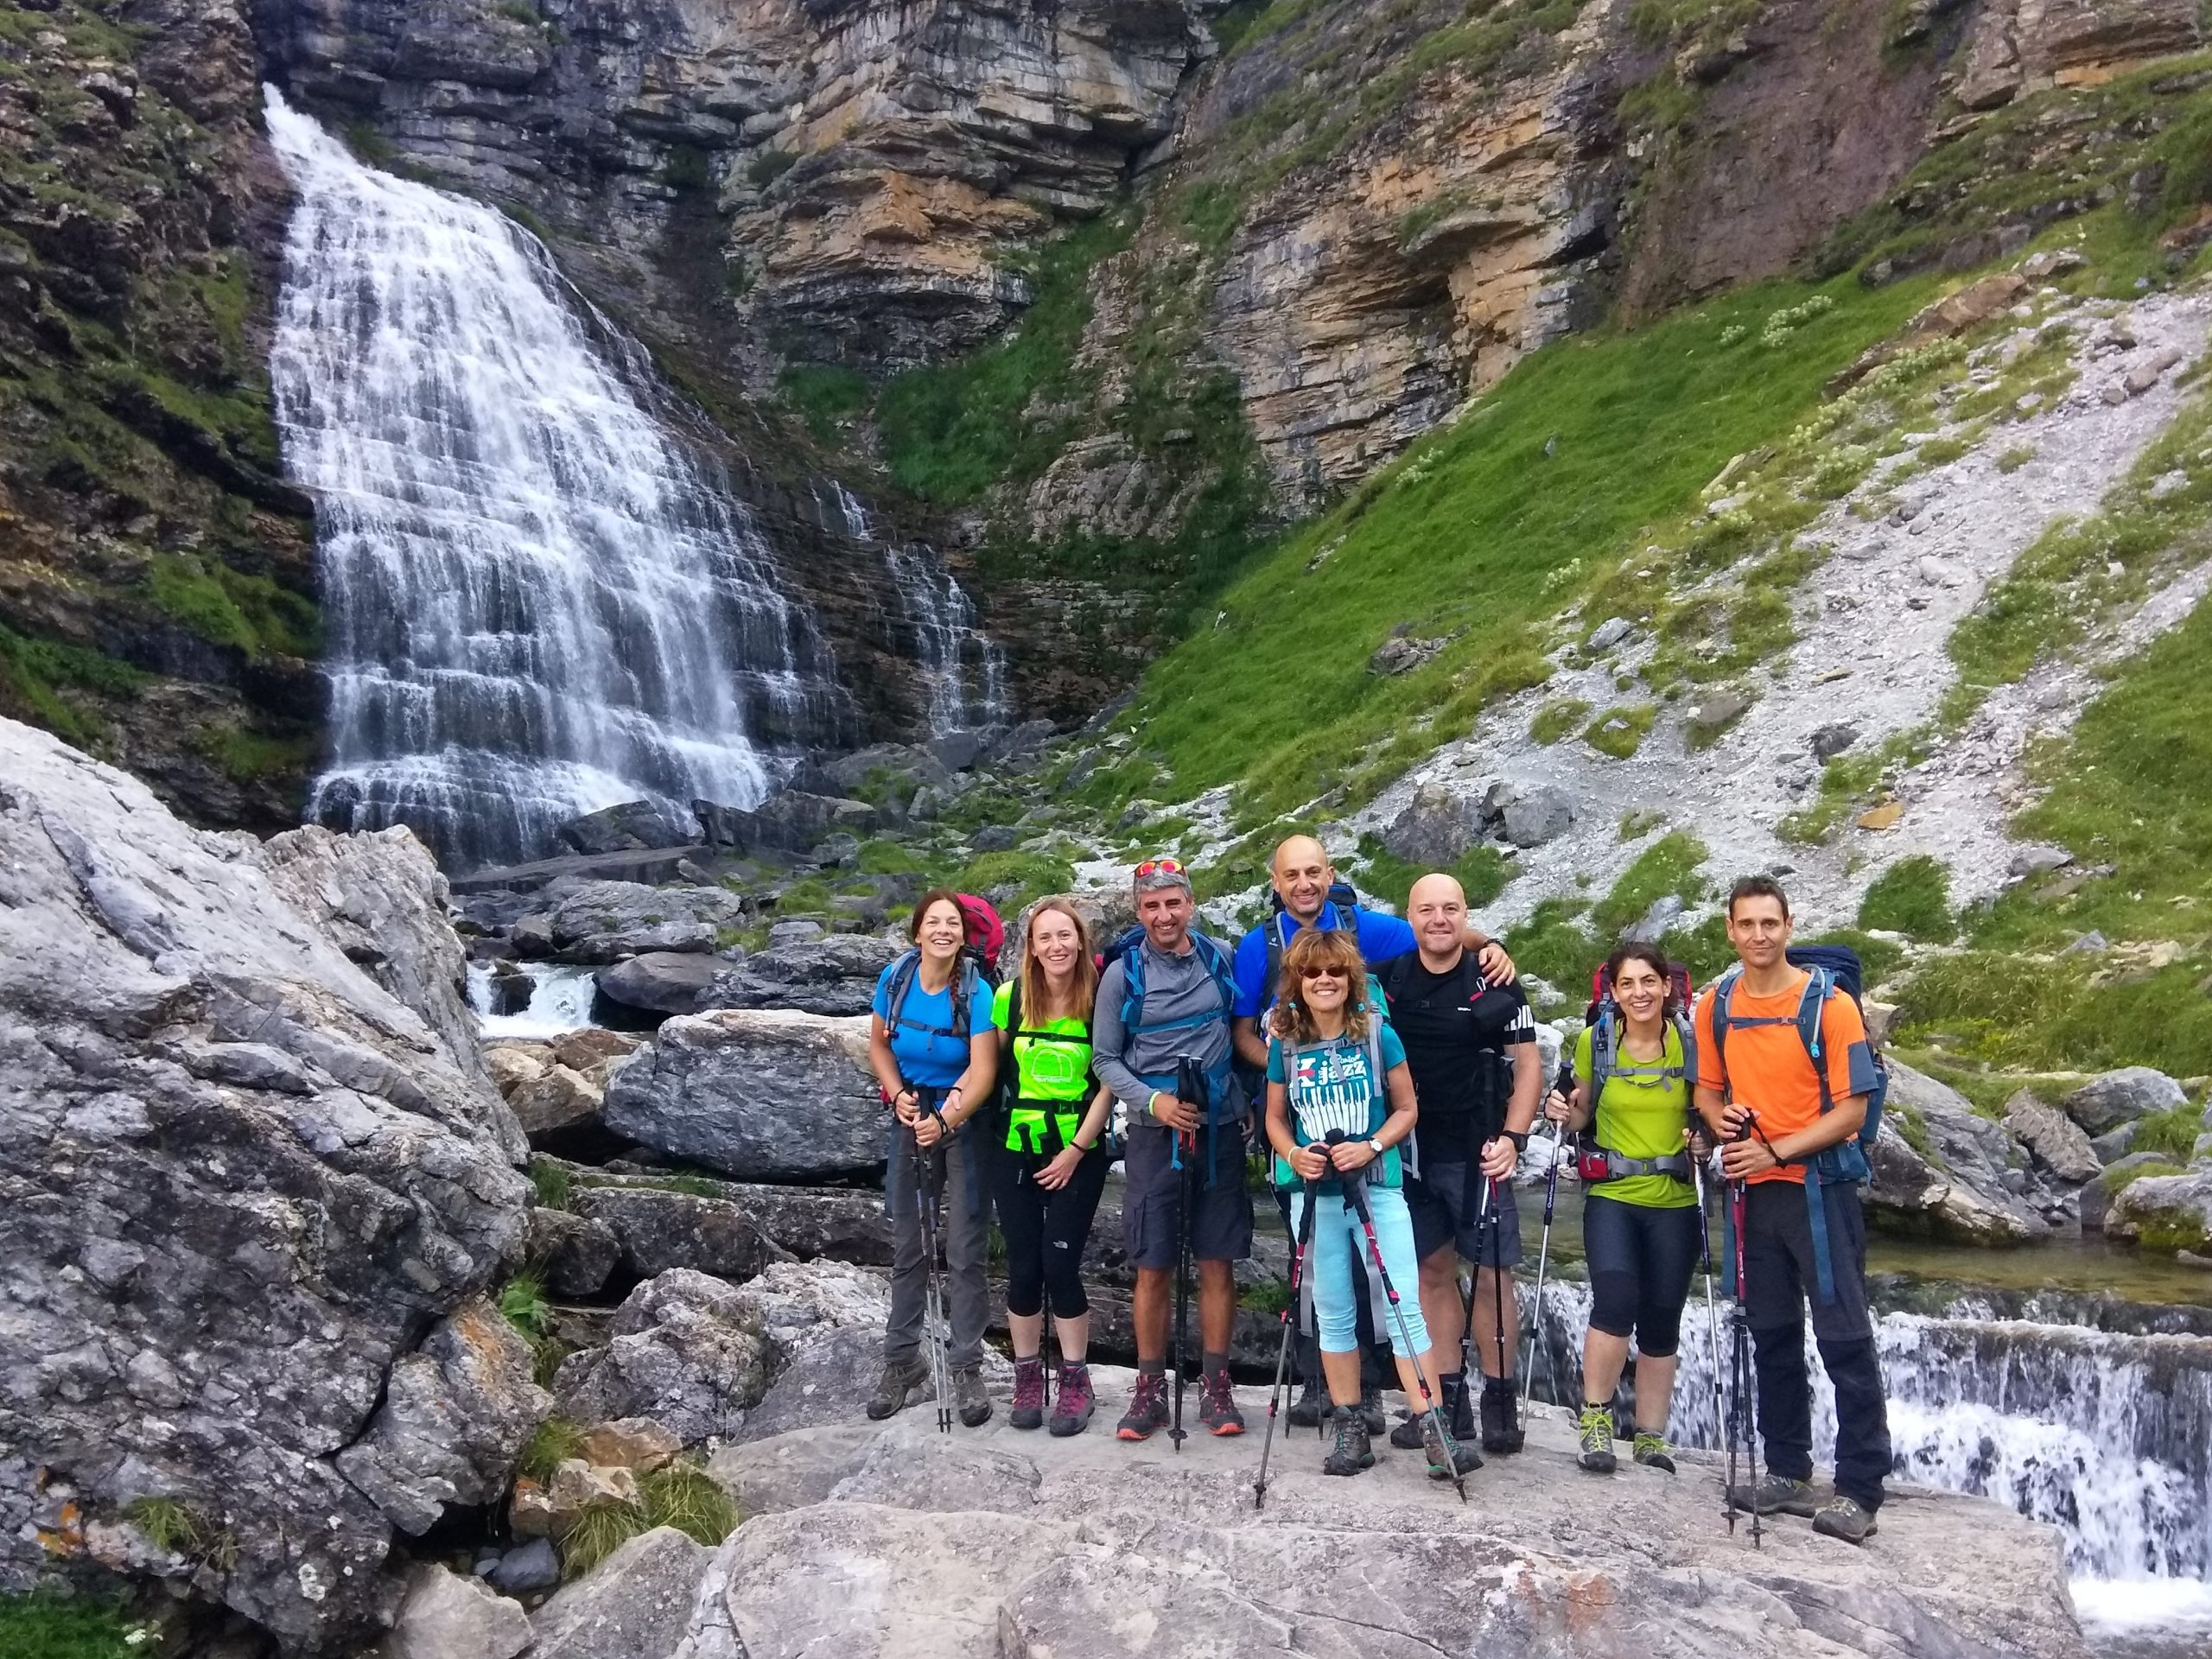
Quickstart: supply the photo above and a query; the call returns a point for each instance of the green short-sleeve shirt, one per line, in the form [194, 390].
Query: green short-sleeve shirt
[1642, 1118]
[1051, 1063]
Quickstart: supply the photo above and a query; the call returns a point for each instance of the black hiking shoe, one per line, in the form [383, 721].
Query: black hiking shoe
[1842, 1517]
[1459, 1409]
[1218, 1410]
[1028, 1409]
[971, 1396]
[1406, 1434]
[1147, 1407]
[900, 1378]
[1311, 1408]
[1447, 1458]
[1776, 1495]
[1594, 1430]
[1370, 1410]
[1351, 1453]
[1653, 1451]
[1502, 1429]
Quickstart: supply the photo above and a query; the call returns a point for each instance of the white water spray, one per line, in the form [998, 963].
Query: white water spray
[536, 603]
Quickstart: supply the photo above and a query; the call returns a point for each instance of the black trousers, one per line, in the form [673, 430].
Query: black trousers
[1045, 1230]
[1780, 1285]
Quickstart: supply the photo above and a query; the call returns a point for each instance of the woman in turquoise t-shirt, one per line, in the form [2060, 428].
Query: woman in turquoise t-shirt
[1334, 1064]
[934, 1054]
[1640, 1234]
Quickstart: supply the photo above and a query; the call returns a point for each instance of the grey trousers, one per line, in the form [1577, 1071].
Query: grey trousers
[960, 1193]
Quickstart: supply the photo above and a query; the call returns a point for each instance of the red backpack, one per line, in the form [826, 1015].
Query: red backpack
[986, 932]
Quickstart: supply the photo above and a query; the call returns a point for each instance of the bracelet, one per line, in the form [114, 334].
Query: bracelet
[1519, 1138]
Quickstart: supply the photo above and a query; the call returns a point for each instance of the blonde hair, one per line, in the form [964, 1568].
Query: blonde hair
[1316, 947]
[1036, 987]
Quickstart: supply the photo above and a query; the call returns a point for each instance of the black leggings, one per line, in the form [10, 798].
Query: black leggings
[1640, 1259]
[1046, 1231]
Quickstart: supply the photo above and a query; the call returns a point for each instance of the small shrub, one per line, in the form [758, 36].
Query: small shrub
[597, 1533]
[551, 1444]
[769, 165]
[684, 1496]
[551, 1180]
[2171, 1133]
[884, 857]
[522, 1299]
[1269, 1297]
[1620, 732]
[1557, 718]
[1912, 897]
[183, 1530]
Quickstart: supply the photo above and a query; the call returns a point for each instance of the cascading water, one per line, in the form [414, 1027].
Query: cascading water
[2106, 1436]
[935, 624]
[537, 603]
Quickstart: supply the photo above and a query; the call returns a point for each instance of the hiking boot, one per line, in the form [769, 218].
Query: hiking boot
[1447, 1460]
[1501, 1415]
[1072, 1406]
[1028, 1409]
[1653, 1451]
[1405, 1435]
[1217, 1404]
[1147, 1407]
[1459, 1409]
[1842, 1517]
[1370, 1410]
[900, 1378]
[973, 1399]
[1311, 1407]
[1351, 1453]
[1776, 1495]
[1594, 1430]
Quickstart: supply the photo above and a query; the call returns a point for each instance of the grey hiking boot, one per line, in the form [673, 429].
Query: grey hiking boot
[1073, 1404]
[1447, 1460]
[1370, 1410]
[1405, 1434]
[1594, 1432]
[1653, 1451]
[1776, 1495]
[1843, 1517]
[1311, 1408]
[900, 1378]
[1501, 1415]
[1351, 1453]
[1028, 1409]
[971, 1396]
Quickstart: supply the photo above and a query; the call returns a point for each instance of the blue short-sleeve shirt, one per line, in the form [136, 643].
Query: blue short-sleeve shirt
[931, 1050]
[1380, 937]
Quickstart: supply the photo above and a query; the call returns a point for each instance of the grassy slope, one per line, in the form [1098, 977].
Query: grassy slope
[43, 1626]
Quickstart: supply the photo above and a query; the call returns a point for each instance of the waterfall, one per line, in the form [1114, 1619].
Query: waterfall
[537, 603]
[2106, 1436]
[936, 626]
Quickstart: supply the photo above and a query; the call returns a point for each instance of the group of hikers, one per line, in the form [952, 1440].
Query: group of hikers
[1390, 1065]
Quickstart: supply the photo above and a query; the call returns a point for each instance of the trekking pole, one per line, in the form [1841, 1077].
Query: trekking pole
[1299, 1247]
[1740, 1365]
[1564, 1084]
[1186, 1147]
[1355, 1190]
[926, 1198]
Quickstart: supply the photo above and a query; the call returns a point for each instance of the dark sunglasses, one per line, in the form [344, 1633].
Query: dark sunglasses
[1325, 973]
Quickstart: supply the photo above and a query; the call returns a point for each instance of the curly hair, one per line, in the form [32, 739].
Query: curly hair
[1315, 947]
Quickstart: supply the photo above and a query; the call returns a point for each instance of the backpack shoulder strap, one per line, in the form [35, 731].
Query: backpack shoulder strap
[902, 980]
[1819, 985]
[1678, 1023]
[1132, 989]
[1723, 989]
[1272, 928]
[1604, 1042]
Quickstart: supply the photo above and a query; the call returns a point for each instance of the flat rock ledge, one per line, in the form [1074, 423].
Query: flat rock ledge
[996, 1544]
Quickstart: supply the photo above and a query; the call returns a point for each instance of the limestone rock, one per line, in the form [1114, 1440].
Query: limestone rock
[244, 1179]
[2104, 1103]
[549, 1509]
[447, 1617]
[633, 1443]
[454, 1416]
[531, 1566]
[629, 827]
[1401, 653]
[2054, 1140]
[685, 1350]
[760, 1095]
[603, 921]
[1540, 815]
[2022, 44]
[790, 820]
[2165, 1213]
[556, 1098]
[832, 973]
[637, 1603]
[1961, 1192]
[576, 1254]
[660, 981]
[1435, 829]
[657, 1230]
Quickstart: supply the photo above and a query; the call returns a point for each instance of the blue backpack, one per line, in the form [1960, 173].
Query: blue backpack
[1125, 950]
[1830, 969]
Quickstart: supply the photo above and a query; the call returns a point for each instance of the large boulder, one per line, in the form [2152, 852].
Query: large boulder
[794, 821]
[605, 921]
[1435, 829]
[760, 1094]
[2056, 1142]
[2166, 1212]
[734, 1231]
[632, 826]
[576, 1255]
[661, 981]
[835, 975]
[2103, 1103]
[1963, 1181]
[447, 1617]
[637, 1603]
[1531, 817]
[239, 1180]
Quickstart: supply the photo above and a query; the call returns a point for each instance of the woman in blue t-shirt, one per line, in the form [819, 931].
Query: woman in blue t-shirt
[1335, 1064]
[935, 1053]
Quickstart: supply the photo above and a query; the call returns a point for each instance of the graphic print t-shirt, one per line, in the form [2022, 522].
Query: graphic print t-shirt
[1332, 1086]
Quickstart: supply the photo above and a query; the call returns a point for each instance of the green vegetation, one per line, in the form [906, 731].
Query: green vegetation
[1382, 875]
[884, 857]
[1671, 864]
[552, 1184]
[687, 168]
[1557, 718]
[1878, 958]
[1620, 732]
[2171, 1133]
[51, 1624]
[1268, 1296]
[826, 398]
[37, 672]
[2015, 458]
[1912, 897]
[2113, 1179]
[1565, 939]
[1013, 880]
[229, 607]
[769, 165]
[551, 1444]
[680, 1495]
[522, 1301]
[180, 1528]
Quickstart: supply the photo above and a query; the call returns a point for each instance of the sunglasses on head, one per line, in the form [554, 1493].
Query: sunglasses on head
[1325, 973]
[1158, 866]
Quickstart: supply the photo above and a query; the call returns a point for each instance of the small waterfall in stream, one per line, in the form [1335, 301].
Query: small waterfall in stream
[2106, 1436]
[537, 603]
[935, 624]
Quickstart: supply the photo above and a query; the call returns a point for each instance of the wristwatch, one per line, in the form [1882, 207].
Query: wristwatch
[1520, 1141]
[1375, 1145]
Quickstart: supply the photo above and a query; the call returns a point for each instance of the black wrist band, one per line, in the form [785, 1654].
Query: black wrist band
[1519, 1139]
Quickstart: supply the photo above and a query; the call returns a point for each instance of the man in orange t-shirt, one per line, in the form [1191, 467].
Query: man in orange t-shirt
[1762, 1097]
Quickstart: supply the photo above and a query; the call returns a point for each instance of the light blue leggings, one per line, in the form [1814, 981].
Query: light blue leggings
[1337, 1237]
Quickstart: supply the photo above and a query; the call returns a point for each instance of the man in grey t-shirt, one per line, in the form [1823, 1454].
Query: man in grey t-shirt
[1185, 997]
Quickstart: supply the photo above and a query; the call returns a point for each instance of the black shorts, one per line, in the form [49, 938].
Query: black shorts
[1221, 1218]
[1443, 1204]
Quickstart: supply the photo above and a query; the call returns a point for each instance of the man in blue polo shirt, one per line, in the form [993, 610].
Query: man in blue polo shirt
[1303, 879]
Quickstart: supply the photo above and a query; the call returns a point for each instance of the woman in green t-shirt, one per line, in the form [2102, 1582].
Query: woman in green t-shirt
[1639, 1223]
[1048, 1179]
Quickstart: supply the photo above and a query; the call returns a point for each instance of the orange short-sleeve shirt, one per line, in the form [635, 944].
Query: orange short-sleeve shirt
[1767, 1068]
